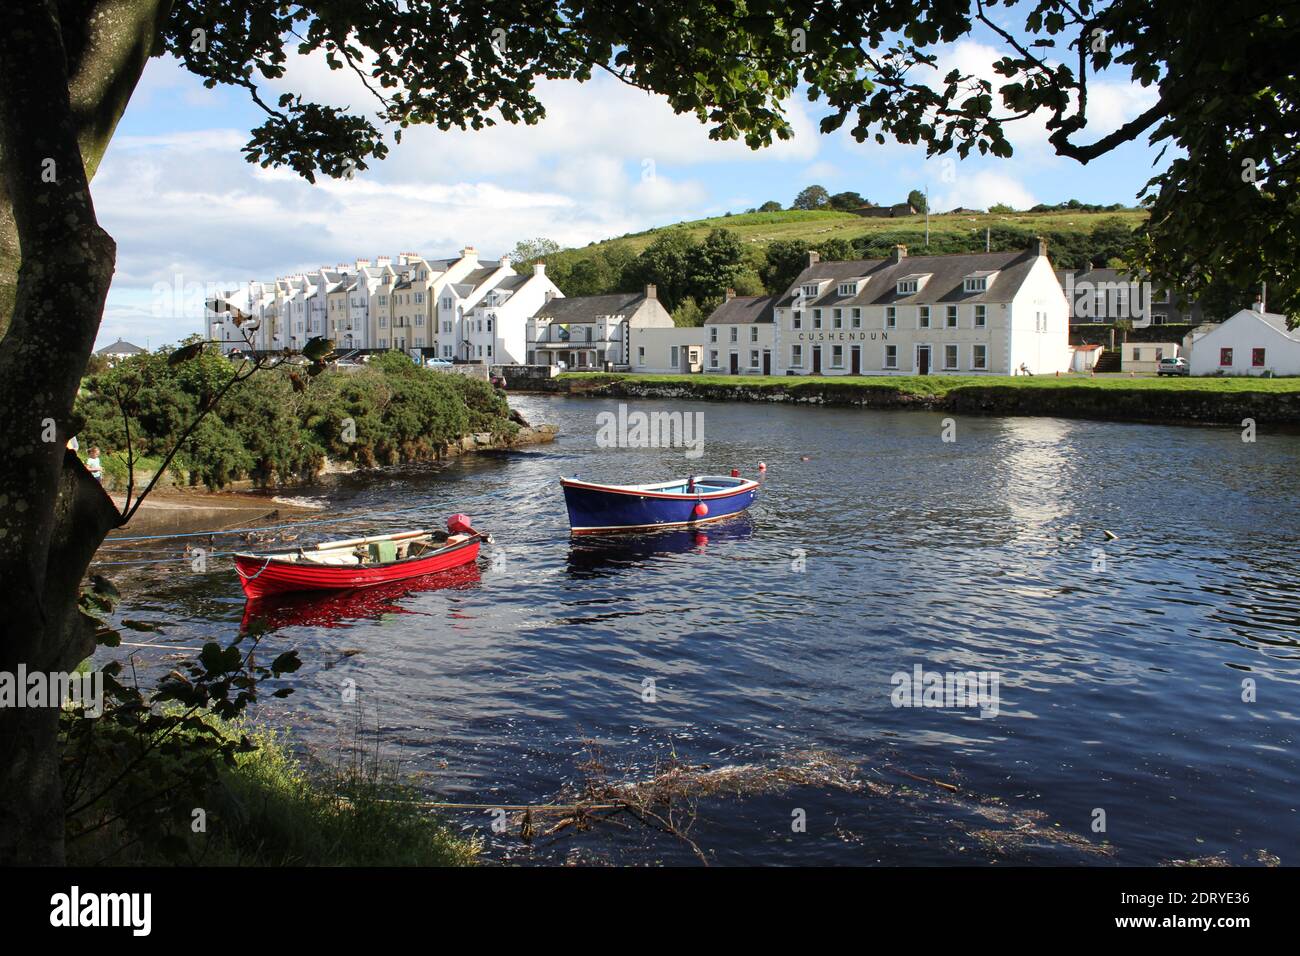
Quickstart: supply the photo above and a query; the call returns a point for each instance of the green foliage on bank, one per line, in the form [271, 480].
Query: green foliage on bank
[939, 385]
[280, 424]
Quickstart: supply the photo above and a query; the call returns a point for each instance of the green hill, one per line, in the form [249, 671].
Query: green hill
[817, 227]
[694, 262]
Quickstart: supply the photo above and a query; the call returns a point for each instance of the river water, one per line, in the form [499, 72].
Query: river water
[1147, 702]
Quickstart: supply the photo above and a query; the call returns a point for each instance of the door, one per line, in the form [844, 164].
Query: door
[817, 359]
[767, 362]
[856, 361]
[735, 364]
[923, 360]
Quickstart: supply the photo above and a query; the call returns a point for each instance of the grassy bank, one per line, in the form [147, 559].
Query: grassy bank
[269, 810]
[1201, 400]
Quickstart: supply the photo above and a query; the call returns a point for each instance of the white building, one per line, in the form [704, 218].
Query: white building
[990, 313]
[669, 351]
[740, 335]
[594, 331]
[1252, 342]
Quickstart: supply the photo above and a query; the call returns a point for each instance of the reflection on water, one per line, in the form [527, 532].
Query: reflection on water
[875, 546]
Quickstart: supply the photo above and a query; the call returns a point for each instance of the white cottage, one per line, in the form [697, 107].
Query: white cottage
[1252, 342]
[990, 313]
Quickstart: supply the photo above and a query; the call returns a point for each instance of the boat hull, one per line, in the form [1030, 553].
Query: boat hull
[261, 575]
[595, 509]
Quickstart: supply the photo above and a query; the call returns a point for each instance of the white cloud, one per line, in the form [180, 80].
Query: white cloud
[979, 190]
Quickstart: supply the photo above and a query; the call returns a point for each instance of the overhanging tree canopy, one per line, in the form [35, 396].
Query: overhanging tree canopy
[1224, 94]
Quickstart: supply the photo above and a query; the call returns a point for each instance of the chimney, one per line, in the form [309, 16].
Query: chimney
[729, 295]
[539, 268]
[383, 261]
[505, 262]
[814, 257]
[899, 254]
[402, 258]
[363, 264]
[651, 292]
[1038, 246]
[1258, 306]
[469, 252]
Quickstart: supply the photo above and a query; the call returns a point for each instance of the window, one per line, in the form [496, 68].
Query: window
[1257, 358]
[976, 283]
[848, 288]
[713, 337]
[951, 317]
[950, 356]
[753, 333]
[981, 316]
[419, 297]
[672, 355]
[446, 327]
[891, 317]
[891, 356]
[907, 287]
[1225, 356]
[796, 319]
[418, 341]
[817, 318]
[857, 318]
[383, 321]
[1137, 354]
[489, 350]
[734, 332]
[383, 300]
[923, 317]
[383, 343]
[837, 356]
[446, 302]
[713, 359]
[810, 290]
[979, 357]
[753, 358]
[796, 356]
[419, 320]
[837, 318]
[640, 355]
[489, 325]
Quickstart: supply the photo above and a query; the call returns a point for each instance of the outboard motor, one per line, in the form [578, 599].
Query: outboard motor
[460, 524]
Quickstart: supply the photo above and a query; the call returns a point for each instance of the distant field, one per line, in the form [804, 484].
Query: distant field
[817, 227]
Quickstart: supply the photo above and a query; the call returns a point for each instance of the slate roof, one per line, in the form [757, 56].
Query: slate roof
[947, 275]
[743, 310]
[590, 308]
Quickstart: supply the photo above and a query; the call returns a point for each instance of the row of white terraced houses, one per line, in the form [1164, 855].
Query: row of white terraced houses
[994, 313]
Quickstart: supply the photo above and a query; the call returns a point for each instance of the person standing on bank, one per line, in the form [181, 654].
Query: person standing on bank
[93, 466]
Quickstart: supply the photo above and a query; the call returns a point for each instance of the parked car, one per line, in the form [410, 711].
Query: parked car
[1173, 366]
[436, 363]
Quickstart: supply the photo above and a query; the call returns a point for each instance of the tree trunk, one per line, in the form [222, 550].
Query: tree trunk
[58, 86]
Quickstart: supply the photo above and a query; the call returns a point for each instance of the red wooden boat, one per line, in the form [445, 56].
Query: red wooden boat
[360, 562]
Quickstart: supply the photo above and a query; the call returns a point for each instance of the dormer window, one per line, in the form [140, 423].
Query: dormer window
[907, 286]
[809, 291]
[848, 288]
[977, 281]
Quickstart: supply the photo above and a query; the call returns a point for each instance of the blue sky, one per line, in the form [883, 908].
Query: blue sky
[188, 211]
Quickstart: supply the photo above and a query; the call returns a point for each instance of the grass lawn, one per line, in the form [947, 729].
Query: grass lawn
[942, 384]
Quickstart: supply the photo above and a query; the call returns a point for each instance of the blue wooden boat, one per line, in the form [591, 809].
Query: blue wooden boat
[686, 502]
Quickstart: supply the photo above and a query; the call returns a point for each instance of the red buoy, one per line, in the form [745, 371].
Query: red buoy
[735, 473]
[701, 509]
[762, 466]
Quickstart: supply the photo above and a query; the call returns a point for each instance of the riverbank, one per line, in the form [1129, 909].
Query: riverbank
[1202, 401]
